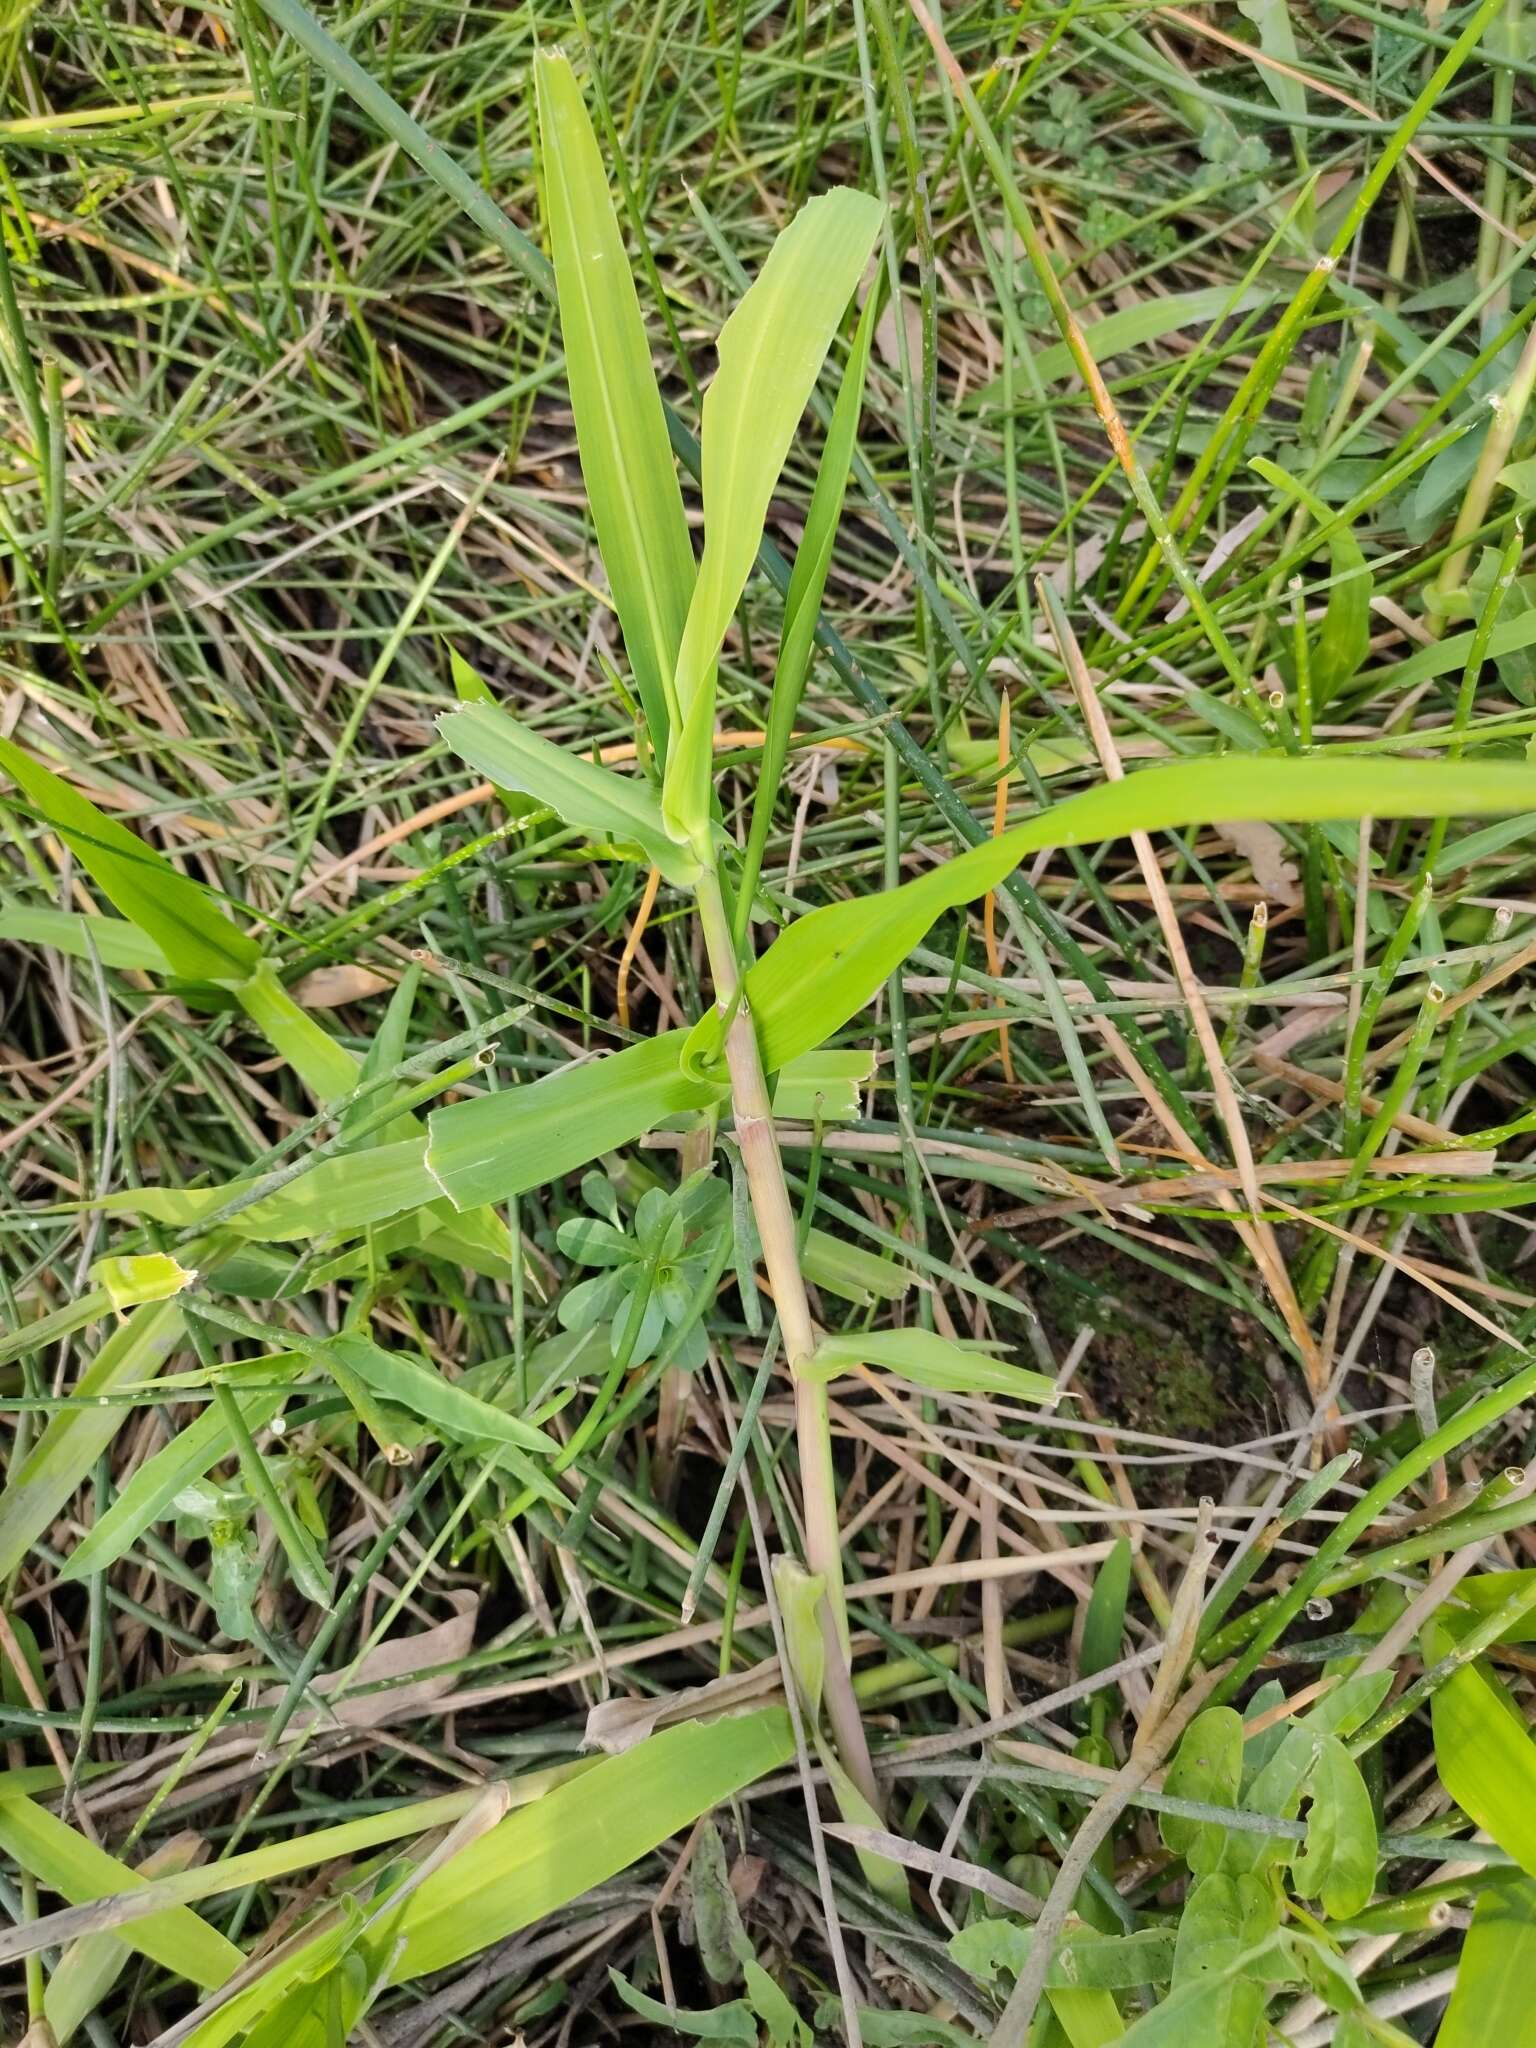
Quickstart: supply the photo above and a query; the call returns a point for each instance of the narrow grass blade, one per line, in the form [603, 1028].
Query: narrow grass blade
[825, 967]
[179, 915]
[492, 1147]
[626, 458]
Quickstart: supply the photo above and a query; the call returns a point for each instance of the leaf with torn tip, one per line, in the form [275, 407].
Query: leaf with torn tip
[141, 1277]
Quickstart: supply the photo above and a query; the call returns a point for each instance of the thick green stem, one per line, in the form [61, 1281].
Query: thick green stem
[775, 1219]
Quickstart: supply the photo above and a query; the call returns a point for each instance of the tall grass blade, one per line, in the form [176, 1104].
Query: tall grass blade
[771, 350]
[626, 458]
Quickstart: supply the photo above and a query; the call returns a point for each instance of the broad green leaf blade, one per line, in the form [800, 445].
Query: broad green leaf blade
[334, 1198]
[471, 688]
[180, 916]
[1338, 1862]
[64, 1455]
[89, 1968]
[626, 457]
[1487, 1758]
[66, 1862]
[577, 790]
[1491, 2005]
[321, 1062]
[730, 2023]
[584, 1833]
[117, 942]
[148, 1496]
[826, 966]
[492, 1147]
[929, 1360]
[1082, 1956]
[1104, 1622]
[771, 350]
[851, 1272]
[414, 1386]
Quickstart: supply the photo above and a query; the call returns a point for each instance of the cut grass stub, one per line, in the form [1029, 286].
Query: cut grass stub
[768, 794]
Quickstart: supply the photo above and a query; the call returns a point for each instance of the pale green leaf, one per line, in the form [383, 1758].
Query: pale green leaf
[146, 1276]
[66, 1452]
[826, 966]
[150, 1492]
[471, 688]
[1208, 1767]
[626, 457]
[730, 2023]
[771, 350]
[851, 1272]
[67, 1863]
[1149, 320]
[335, 1197]
[89, 1968]
[1082, 1957]
[592, 798]
[181, 917]
[929, 1360]
[1491, 2005]
[584, 1833]
[117, 943]
[1486, 1758]
[492, 1147]
[420, 1390]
